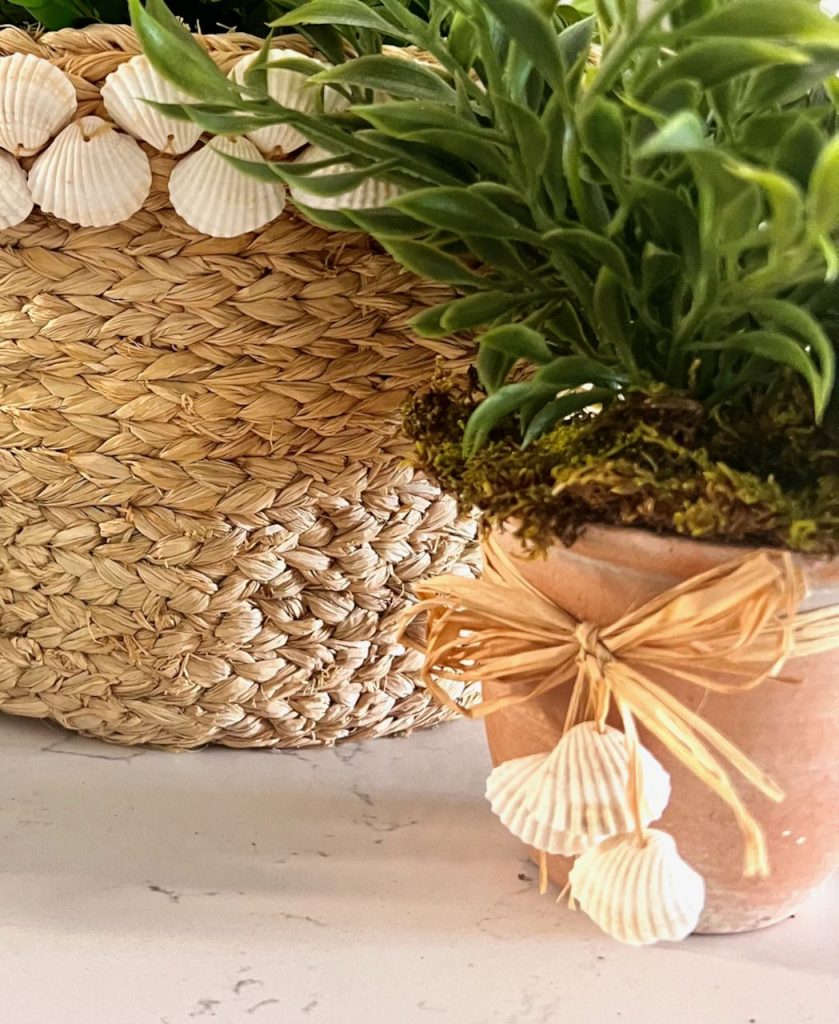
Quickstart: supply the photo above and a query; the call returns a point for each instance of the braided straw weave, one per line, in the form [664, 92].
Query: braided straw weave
[207, 527]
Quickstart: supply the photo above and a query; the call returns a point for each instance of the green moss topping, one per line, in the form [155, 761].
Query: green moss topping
[657, 461]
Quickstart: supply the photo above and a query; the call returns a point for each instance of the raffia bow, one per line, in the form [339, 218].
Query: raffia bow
[738, 622]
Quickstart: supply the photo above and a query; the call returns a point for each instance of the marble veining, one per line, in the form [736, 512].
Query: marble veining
[368, 884]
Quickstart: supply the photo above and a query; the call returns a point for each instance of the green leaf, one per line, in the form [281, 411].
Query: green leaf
[668, 219]
[493, 368]
[777, 348]
[404, 118]
[500, 255]
[476, 310]
[595, 249]
[426, 261]
[393, 75]
[799, 150]
[682, 133]
[428, 323]
[534, 34]
[575, 46]
[601, 134]
[385, 223]
[495, 409]
[681, 94]
[463, 40]
[531, 138]
[173, 51]
[823, 197]
[561, 408]
[519, 342]
[338, 12]
[791, 318]
[329, 220]
[566, 372]
[262, 171]
[461, 211]
[714, 61]
[54, 14]
[785, 199]
[612, 316]
[553, 121]
[775, 86]
[796, 20]
[466, 146]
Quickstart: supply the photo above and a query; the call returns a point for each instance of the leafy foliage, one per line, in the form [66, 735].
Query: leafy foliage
[247, 15]
[666, 215]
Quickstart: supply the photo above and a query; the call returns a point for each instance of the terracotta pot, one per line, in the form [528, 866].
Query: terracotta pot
[790, 731]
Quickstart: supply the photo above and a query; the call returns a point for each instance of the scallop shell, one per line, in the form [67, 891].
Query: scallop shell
[125, 93]
[91, 175]
[215, 197]
[291, 89]
[639, 893]
[507, 788]
[576, 795]
[15, 199]
[37, 99]
[372, 194]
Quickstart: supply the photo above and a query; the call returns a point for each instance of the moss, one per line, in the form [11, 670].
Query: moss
[655, 460]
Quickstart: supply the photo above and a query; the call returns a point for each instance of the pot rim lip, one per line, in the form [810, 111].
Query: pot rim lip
[643, 550]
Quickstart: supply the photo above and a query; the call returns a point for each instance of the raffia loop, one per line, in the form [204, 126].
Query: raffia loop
[738, 622]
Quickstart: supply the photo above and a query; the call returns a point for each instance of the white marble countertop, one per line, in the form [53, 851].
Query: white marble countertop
[364, 885]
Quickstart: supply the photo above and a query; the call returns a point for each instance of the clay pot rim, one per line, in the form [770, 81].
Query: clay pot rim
[681, 557]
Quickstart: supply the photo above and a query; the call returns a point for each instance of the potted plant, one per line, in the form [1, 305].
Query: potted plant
[639, 209]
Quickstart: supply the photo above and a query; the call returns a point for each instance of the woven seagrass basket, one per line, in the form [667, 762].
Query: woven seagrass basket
[207, 525]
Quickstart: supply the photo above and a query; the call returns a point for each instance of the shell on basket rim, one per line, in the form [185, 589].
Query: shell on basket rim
[125, 95]
[15, 198]
[291, 89]
[216, 198]
[639, 893]
[577, 794]
[91, 175]
[38, 99]
[372, 194]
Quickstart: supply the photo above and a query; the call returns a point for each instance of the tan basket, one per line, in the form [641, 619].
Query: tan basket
[207, 526]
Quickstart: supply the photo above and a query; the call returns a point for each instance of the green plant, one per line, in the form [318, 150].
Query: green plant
[668, 216]
[209, 14]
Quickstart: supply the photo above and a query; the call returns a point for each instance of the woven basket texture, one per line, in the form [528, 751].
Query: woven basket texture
[208, 528]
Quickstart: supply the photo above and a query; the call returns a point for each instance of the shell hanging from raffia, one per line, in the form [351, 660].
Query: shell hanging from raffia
[507, 788]
[15, 198]
[372, 194]
[291, 89]
[91, 175]
[126, 92]
[213, 196]
[576, 795]
[37, 100]
[639, 893]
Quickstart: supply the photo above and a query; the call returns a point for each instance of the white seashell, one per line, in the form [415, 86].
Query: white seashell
[91, 175]
[125, 93]
[639, 893]
[215, 197]
[576, 795]
[15, 199]
[506, 790]
[291, 89]
[372, 194]
[36, 100]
